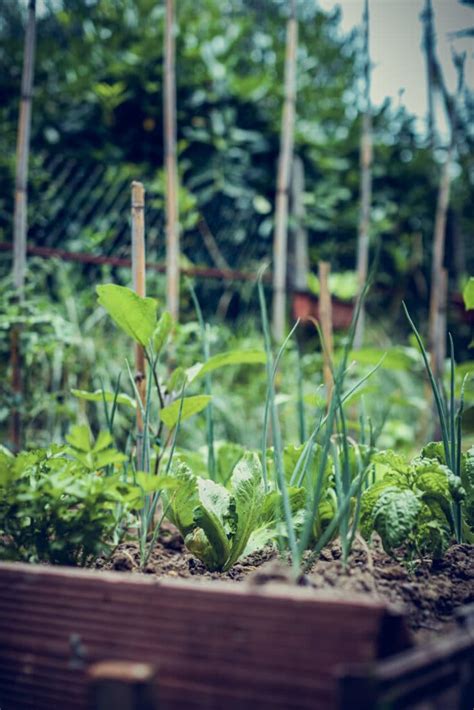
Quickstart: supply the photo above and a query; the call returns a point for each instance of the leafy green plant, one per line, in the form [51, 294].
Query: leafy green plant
[58, 505]
[217, 522]
[410, 505]
[162, 416]
[450, 420]
[435, 450]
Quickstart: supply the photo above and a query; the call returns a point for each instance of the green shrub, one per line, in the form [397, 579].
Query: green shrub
[59, 509]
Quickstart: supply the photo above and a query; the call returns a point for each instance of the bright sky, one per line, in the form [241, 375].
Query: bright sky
[395, 44]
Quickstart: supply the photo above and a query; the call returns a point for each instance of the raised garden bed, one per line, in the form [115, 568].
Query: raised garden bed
[261, 643]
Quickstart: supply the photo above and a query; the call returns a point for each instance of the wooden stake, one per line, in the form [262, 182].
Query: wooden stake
[22, 153]
[20, 215]
[139, 285]
[172, 213]
[437, 262]
[122, 685]
[438, 280]
[366, 159]
[325, 319]
[284, 169]
[428, 45]
[301, 263]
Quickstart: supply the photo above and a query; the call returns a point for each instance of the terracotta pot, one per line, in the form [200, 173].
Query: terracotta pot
[306, 307]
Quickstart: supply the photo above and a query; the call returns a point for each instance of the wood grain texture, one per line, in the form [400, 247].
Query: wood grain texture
[217, 645]
[438, 676]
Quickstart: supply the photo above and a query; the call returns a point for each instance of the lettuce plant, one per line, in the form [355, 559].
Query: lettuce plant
[217, 522]
[411, 504]
[435, 450]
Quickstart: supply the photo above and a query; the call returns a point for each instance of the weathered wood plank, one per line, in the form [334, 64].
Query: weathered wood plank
[439, 675]
[214, 645]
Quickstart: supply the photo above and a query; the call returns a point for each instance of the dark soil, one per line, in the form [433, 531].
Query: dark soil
[428, 593]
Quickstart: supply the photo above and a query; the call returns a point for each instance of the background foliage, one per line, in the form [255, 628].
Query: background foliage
[97, 124]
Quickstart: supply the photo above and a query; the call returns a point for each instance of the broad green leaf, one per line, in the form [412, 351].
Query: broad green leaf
[177, 379]
[103, 441]
[80, 437]
[195, 460]
[432, 476]
[228, 455]
[109, 457]
[395, 515]
[7, 469]
[392, 461]
[169, 415]
[327, 510]
[162, 331]
[259, 538]
[212, 515]
[183, 500]
[232, 357]
[135, 315]
[434, 450]
[248, 494]
[100, 395]
[468, 294]
[149, 483]
[435, 536]
[368, 501]
[395, 358]
[270, 522]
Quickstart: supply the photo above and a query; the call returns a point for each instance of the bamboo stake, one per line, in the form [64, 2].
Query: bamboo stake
[325, 319]
[283, 179]
[366, 159]
[438, 281]
[172, 213]
[301, 264]
[429, 44]
[20, 215]
[22, 154]
[437, 264]
[139, 285]
[440, 352]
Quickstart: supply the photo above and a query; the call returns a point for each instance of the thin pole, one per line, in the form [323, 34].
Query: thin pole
[429, 45]
[283, 180]
[439, 280]
[301, 263]
[22, 154]
[172, 213]
[20, 215]
[325, 318]
[436, 293]
[366, 159]
[139, 285]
